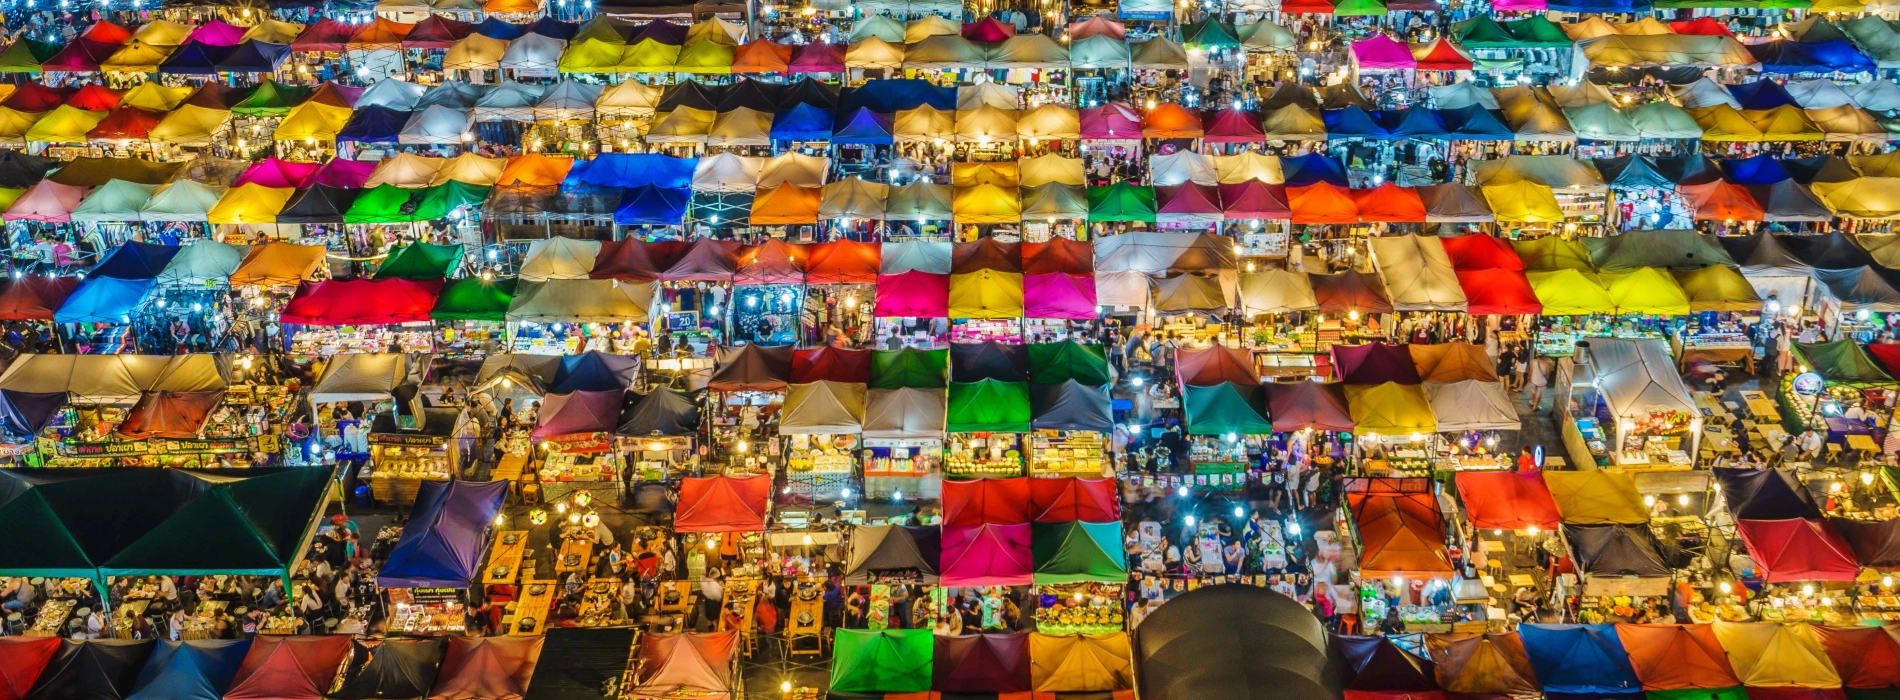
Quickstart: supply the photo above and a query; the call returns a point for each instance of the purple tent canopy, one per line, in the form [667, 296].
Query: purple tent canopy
[441, 544]
[1313, 405]
[25, 413]
[1374, 363]
[578, 412]
[982, 663]
[216, 33]
[913, 294]
[345, 174]
[986, 555]
[1056, 295]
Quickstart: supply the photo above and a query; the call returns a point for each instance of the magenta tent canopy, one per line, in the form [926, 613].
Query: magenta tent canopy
[1381, 51]
[1114, 120]
[818, 58]
[1188, 201]
[345, 174]
[986, 555]
[216, 33]
[276, 172]
[1375, 363]
[579, 412]
[1515, 5]
[1057, 295]
[913, 294]
[48, 201]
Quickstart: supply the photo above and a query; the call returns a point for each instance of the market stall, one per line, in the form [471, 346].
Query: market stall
[432, 564]
[1623, 403]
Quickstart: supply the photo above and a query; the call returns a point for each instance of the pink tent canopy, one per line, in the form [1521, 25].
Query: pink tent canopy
[347, 174]
[48, 201]
[986, 555]
[1056, 295]
[913, 293]
[1114, 120]
[675, 665]
[818, 58]
[276, 172]
[1515, 5]
[216, 33]
[988, 29]
[1381, 51]
[1188, 201]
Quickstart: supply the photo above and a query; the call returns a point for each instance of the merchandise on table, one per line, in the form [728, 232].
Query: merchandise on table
[427, 611]
[973, 455]
[1069, 453]
[333, 340]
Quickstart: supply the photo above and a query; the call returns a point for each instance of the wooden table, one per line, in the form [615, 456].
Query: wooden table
[1863, 444]
[584, 554]
[1712, 407]
[532, 605]
[504, 554]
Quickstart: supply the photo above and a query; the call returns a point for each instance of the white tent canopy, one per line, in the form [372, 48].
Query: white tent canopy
[905, 414]
[1471, 405]
[823, 408]
[436, 126]
[396, 94]
[1418, 273]
[559, 258]
[510, 101]
[360, 377]
[728, 172]
[1183, 166]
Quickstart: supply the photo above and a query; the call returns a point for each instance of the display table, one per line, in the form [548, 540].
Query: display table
[504, 557]
[1840, 429]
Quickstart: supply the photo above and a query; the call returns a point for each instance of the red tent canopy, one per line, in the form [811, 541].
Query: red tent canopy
[1254, 199]
[21, 661]
[94, 98]
[1481, 252]
[1071, 499]
[1888, 354]
[107, 33]
[126, 122]
[985, 254]
[1058, 255]
[705, 260]
[982, 664]
[1326, 203]
[289, 668]
[1214, 364]
[1375, 363]
[362, 302]
[1404, 535]
[380, 33]
[1187, 199]
[986, 501]
[1794, 693]
[32, 97]
[1866, 657]
[1349, 291]
[1307, 7]
[843, 262]
[831, 364]
[486, 667]
[1389, 203]
[436, 32]
[1441, 55]
[1797, 549]
[637, 260]
[723, 504]
[1498, 291]
[772, 262]
[176, 415]
[1704, 26]
[34, 298]
[326, 35]
[1298, 405]
[1721, 200]
[1508, 500]
[988, 29]
[1234, 126]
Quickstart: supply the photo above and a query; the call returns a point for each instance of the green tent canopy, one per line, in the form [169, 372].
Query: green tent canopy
[1210, 34]
[1482, 32]
[250, 527]
[1226, 408]
[25, 56]
[1055, 363]
[1122, 202]
[33, 541]
[1734, 693]
[1073, 552]
[382, 204]
[1843, 362]
[439, 201]
[474, 299]
[882, 661]
[272, 99]
[1359, 8]
[987, 406]
[910, 368]
[420, 261]
[1537, 31]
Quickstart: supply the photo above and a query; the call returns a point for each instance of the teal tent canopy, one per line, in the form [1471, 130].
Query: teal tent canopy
[1226, 408]
[1074, 552]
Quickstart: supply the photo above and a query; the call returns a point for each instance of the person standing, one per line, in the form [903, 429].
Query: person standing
[1540, 377]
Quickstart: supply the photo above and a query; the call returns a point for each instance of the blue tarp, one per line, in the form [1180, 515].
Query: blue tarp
[194, 670]
[1580, 659]
[104, 300]
[892, 96]
[1831, 56]
[1759, 170]
[802, 123]
[494, 28]
[1415, 123]
[441, 544]
[593, 371]
[1761, 94]
[633, 170]
[865, 127]
[1353, 122]
[374, 124]
[134, 260]
[1313, 168]
[1605, 7]
[255, 56]
[196, 59]
[652, 205]
[1474, 123]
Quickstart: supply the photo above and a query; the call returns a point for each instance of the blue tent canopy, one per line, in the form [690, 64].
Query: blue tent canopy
[652, 205]
[892, 96]
[134, 260]
[441, 544]
[373, 124]
[1580, 660]
[1831, 56]
[1313, 168]
[1353, 122]
[1415, 123]
[255, 56]
[104, 300]
[802, 123]
[495, 28]
[632, 170]
[1605, 7]
[593, 371]
[1474, 123]
[1761, 94]
[1758, 170]
[555, 29]
[196, 59]
[865, 127]
[194, 670]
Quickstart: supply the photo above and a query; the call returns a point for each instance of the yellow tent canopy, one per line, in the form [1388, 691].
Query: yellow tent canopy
[1784, 123]
[929, 26]
[872, 52]
[705, 57]
[191, 125]
[1590, 28]
[987, 124]
[987, 204]
[1523, 202]
[651, 56]
[1717, 288]
[14, 124]
[1045, 169]
[715, 30]
[1596, 498]
[65, 124]
[1551, 253]
[986, 294]
[1724, 123]
[272, 31]
[683, 125]
[1050, 122]
[1569, 292]
[312, 120]
[1645, 290]
[627, 99]
[1862, 198]
[471, 168]
[137, 56]
[1004, 174]
[163, 32]
[1249, 165]
[925, 123]
[278, 263]
[250, 203]
[1776, 655]
[1081, 663]
[155, 97]
[1390, 409]
[1848, 123]
[741, 127]
[407, 170]
[476, 52]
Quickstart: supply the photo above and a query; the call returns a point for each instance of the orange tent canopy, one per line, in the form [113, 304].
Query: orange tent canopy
[762, 56]
[1721, 200]
[1404, 535]
[1324, 203]
[535, 169]
[1677, 657]
[380, 34]
[1171, 121]
[787, 204]
[1389, 203]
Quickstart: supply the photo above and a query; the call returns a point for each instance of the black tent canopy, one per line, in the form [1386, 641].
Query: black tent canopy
[319, 204]
[394, 668]
[659, 412]
[1234, 642]
[972, 362]
[1617, 550]
[100, 669]
[1070, 405]
[579, 663]
[1377, 664]
[893, 553]
[1875, 543]
[1765, 494]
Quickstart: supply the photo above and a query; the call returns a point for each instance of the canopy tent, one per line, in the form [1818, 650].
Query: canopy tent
[1471, 405]
[909, 368]
[190, 670]
[988, 405]
[1635, 374]
[659, 412]
[982, 663]
[104, 300]
[823, 407]
[1843, 362]
[1452, 362]
[1874, 542]
[905, 413]
[986, 555]
[892, 554]
[1374, 363]
[487, 667]
[1081, 663]
[1490, 664]
[752, 368]
[1402, 532]
[1226, 409]
[360, 302]
[723, 504]
[1718, 288]
[168, 414]
[1308, 405]
[1377, 666]
[1797, 550]
[1677, 657]
[277, 263]
[1508, 500]
[581, 301]
[1070, 405]
[98, 668]
[1863, 656]
[989, 501]
[1054, 363]
[1596, 498]
[22, 659]
[1075, 552]
[1583, 659]
[442, 542]
[882, 661]
[1275, 291]
[1235, 641]
[1351, 291]
[392, 668]
[1390, 409]
[1617, 551]
[1774, 655]
[579, 412]
[1069, 499]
